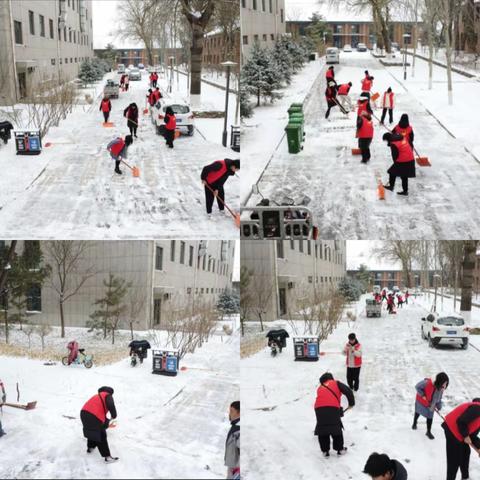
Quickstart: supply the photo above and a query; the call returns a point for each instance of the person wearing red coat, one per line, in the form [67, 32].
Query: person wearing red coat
[387, 104]
[330, 74]
[105, 108]
[405, 129]
[330, 97]
[365, 135]
[170, 125]
[353, 352]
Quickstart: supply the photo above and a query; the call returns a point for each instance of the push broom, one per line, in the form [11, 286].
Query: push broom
[236, 216]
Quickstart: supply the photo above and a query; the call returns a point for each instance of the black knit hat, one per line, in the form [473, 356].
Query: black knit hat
[234, 163]
[106, 389]
[325, 377]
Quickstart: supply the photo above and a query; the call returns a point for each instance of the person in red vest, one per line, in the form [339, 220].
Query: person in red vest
[214, 176]
[150, 97]
[405, 129]
[367, 83]
[131, 114]
[331, 97]
[353, 352]
[365, 135]
[390, 303]
[387, 104]
[122, 81]
[428, 399]
[153, 79]
[342, 96]
[462, 426]
[118, 150]
[330, 74]
[105, 108]
[407, 294]
[95, 422]
[170, 125]
[363, 105]
[156, 95]
[329, 413]
[403, 161]
[399, 300]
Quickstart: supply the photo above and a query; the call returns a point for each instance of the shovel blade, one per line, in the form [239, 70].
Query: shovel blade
[136, 172]
[107, 124]
[375, 96]
[423, 162]
[356, 151]
[30, 405]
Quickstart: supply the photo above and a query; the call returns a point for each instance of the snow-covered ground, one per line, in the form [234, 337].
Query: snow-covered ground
[70, 189]
[280, 441]
[343, 191]
[168, 427]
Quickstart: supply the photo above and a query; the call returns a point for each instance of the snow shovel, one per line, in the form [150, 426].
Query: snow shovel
[356, 151]
[341, 107]
[145, 110]
[375, 96]
[236, 216]
[108, 124]
[28, 406]
[135, 170]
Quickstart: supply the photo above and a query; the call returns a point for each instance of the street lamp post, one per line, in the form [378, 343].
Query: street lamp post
[171, 74]
[228, 65]
[435, 276]
[405, 36]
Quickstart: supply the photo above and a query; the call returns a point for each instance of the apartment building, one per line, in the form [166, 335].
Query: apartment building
[282, 271]
[42, 41]
[391, 277]
[261, 21]
[165, 275]
[218, 48]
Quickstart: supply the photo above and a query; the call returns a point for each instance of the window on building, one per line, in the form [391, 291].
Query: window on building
[245, 40]
[74, 37]
[270, 6]
[209, 263]
[70, 35]
[281, 15]
[316, 251]
[71, 59]
[73, 4]
[42, 25]
[159, 258]
[182, 253]
[17, 28]
[65, 34]
[68, 2]
[254, 4]
[34, 298]
[280, 252]
[172, 250]
[300, 242]
[204, 262]
[52, 61]
[292, 244]
[309, 247]
[61, 61]
[310, 279]
[50, 26]
[190, 256]
[32, 254]
[201, 291]
[31, 21]
[255, 38]
[272, 37]
[263, 6]
[264, 37]
[244, 3]
[66, 60]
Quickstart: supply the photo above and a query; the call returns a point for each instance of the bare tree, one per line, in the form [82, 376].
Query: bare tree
[43, 330]
[260, 295]
[135, 301]
[28, 331]
[245, 297]
[69, 272]
[468, 266]
[402, 251]
[453, 251]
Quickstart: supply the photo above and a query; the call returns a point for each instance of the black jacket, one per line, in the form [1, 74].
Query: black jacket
[467, 417]
[214, 167]
[92, 426]
[399, 472]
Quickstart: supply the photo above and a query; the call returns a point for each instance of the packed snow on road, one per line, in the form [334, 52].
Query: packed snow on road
[71, 186]
[279, 393]
[167, 427]
[327, 172]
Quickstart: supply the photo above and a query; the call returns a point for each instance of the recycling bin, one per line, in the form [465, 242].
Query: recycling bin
[294, 108]
[235, 138]
[165, 362]
[297, 117]
[28, 142]
[306, 348]
[294, 137]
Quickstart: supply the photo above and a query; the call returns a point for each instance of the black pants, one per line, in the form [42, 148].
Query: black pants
[102, 445]
[154, 83]
[170, 137]
[390, 115]
[126, 87]
[404, 182]
[458, 456]
[429, 421]
[353, 377]
[209, 197]
[364, 146]
[117, 165]
[132, 126]
[106, 115]
[324, 441]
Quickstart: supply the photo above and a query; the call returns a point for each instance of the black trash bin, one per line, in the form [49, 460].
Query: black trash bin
[165, 362]
[278, 336]
[235, 139]
[28, 142]
[306, 348]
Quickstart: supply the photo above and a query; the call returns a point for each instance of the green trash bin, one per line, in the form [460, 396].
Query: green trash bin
[294, 137]
[293, 110]
[298, 105]
[298, 118]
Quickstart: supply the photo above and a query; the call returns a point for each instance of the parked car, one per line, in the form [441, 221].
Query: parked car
[347, 48]
[361, 47]
[372, 308]
[131, 66]
[395, 289]
[377, 289]
[447, 329]
[141, 66]
[182, 112]
[332, 55]
[111, 89]
[120, 68]
[134, 74]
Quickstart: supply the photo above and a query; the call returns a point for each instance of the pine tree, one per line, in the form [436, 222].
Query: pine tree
[228, 303]
[87, 73]
[283, 60]
[246, 109]
[261, 74]
[110, 307]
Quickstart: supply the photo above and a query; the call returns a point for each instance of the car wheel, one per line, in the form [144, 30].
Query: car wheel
[191, 130]
[430, 342]
[465, 344]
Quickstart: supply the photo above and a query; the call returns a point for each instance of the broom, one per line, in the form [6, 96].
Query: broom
[236, 216]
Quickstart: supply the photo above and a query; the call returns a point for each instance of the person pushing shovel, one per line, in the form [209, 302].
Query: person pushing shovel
[118, 150]
[213, 177]
[4, 399]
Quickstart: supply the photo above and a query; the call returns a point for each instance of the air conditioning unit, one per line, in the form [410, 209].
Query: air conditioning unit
[290, 285]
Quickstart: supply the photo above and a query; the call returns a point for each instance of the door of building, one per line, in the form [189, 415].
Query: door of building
[157, 309]
[283, 300]
[22, 84]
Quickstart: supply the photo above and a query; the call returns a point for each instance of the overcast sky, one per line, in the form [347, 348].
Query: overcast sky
[236, 262]
[362, 251]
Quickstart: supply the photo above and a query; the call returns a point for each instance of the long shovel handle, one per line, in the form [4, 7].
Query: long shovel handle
[221, 201]
[340, 106]
[438, 412]
[123, 161]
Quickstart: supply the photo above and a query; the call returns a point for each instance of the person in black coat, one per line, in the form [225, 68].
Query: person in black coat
[403, 163]
[95, 422]
[131, 113]
[329, 413]
[213, 177]
[331, 97]
[381, 466]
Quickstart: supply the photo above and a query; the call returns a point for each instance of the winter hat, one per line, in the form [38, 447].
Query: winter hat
[476, 400]
[169, 110]
[325, 377]
[350, 83]
[352, 336]
[404, 121]
[109, 390]
[366, 72]
[378, 464]
[389, 90]
[440, 379]
[387, 137]
[234, 163]
[128, 140]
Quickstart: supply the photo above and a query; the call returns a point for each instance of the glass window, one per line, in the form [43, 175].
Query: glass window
[263, 5]
[31, 20]
[245, 39]
[254, 4]
[190, 257]
[309, 247]
[50, 24]
[204, 262]
[159, 259]
[34, 298]
[172, 250]
[182, 253]
[42, 25]
[264, 37]
[270, 5]
[280, 251]
[281, 15]
[17, 27]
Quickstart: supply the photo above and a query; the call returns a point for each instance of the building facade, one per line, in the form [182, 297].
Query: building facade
[281, 272]
[476, 275]
[135, 56]
[389, 278]
[42, 41]
[262, 21]
[217, 48]
[165, 276]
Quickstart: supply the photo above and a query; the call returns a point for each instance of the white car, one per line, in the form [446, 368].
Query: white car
[141, 66]
[377, 289]
[120, 68]
[347, 48]
[182, 111]
[361, 47]
[447, 329]
[134, 74]
[332, 55]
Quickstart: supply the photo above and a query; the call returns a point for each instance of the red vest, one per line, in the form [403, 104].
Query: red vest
[152, 77]
[452, 417]
[171, 122]
[391, 99]
[357, 360]
[212, 177]
[116, 148]
[105, 105]
[97, 406]
[330, 75]
[325, 397]
[366, 130]
[151, 99]
[405, 151]
[403, 131]
[156, 95]
[362, 107]
[429, 389]
[366, 84]
[344, 89]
